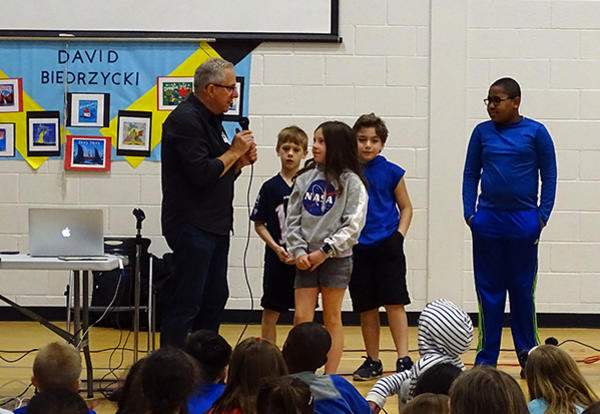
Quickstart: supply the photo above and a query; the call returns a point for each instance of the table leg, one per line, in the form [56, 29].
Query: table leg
[86, 334]
[76, 308]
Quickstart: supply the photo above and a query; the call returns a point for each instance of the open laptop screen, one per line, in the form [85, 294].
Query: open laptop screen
[66, 232]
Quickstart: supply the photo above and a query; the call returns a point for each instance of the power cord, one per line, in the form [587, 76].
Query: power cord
[10, 361]
[18, 398]
[109, 307]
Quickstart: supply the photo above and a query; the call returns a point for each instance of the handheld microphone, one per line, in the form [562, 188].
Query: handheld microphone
[244, 123]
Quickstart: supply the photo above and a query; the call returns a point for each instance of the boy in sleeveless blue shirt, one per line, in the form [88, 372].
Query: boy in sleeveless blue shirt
[269, 222]
[507, 158]
[379, 273]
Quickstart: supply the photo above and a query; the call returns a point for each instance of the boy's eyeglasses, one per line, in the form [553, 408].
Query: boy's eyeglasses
[495, 100]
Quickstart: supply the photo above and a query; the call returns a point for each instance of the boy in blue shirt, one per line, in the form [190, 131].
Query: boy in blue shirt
[305, 350]
[269, 223]
[212, 352]
[379, 273]
[508, 156]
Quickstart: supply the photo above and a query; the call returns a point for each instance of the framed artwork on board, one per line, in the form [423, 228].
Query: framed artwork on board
[7, 139]
[11, 95]
[88, 109]
[83, 153]
[171, 90]
[43, 133]
[133, 133]
[236, 109]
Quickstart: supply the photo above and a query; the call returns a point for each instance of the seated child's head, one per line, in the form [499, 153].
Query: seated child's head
[444, 328]
[554, 376]
[169, 378]
[284, 395]
[130, 396]
[437, 379]
[253, 360]
[427, 403]
[371, 134]
[58, 401]
[292, 146]
[57, 366]
[306, 347]
[484, 389]
[211, 351]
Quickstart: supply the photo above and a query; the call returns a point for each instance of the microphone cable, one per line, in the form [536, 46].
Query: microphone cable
[244, 124]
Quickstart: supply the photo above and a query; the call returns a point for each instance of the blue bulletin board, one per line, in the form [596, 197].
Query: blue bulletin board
[125, 72]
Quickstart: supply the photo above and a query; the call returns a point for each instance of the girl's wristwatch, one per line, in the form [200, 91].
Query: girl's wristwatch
[327, 249]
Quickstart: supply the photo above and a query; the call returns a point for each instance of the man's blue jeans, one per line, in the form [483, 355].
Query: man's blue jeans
[199, 282]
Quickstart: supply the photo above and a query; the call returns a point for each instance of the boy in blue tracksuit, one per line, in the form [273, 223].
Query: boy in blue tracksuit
[509, 156]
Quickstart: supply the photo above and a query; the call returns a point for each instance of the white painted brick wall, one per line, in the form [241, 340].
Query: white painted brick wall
[551, 48]
[382, 65]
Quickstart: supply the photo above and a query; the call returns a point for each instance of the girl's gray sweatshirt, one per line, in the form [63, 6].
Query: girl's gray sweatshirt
[317, 213]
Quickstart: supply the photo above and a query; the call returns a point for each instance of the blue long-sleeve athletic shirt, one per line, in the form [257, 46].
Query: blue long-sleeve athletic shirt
[510, 160]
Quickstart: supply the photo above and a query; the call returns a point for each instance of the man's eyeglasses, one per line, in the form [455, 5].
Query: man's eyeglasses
[495, 100]
[230, 88]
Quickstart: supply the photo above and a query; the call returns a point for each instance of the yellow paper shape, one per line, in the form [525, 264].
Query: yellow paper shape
[147, 102]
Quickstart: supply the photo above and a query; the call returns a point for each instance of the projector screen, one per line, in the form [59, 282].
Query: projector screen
[291, 20]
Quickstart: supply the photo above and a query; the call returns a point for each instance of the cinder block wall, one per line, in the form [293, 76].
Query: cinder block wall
[425, 67]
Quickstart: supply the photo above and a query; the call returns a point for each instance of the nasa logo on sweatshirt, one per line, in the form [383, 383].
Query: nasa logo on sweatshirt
[319, 198]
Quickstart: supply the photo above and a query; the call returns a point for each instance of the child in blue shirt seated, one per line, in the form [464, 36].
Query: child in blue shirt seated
[212, 352]
[305, 350]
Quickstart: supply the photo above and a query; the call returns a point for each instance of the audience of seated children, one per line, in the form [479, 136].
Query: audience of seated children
[427, 403]
[555, 383]
[486, 390]
[284, 395]
[212, 352]
[305, 350]
[445, 333]
[169, 378]
[437, 379]
[58, 401]
[57, 366]
[252, 361]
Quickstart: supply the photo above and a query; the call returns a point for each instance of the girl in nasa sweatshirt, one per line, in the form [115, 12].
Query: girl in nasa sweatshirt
[326, 214]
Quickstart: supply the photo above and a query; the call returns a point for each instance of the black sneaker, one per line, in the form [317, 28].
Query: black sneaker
[403, 364]
[369, 370]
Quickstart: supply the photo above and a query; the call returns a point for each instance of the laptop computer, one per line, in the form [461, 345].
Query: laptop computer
[66, 232]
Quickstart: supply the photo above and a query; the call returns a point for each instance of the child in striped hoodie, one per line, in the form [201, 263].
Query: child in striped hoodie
[445, 333]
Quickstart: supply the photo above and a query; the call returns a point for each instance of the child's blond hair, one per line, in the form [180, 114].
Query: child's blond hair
[57, 366]
[293, 134]
[554, 376]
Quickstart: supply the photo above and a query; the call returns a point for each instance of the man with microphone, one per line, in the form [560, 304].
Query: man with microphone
[198, 171]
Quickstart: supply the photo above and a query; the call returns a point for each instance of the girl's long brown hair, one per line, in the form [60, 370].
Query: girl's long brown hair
[252, 361]
[341, 153]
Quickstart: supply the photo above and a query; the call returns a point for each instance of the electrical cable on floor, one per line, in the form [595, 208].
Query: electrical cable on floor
[10, 361]
[18, 397]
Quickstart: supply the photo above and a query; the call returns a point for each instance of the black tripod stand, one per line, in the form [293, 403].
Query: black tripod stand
[139, 216]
